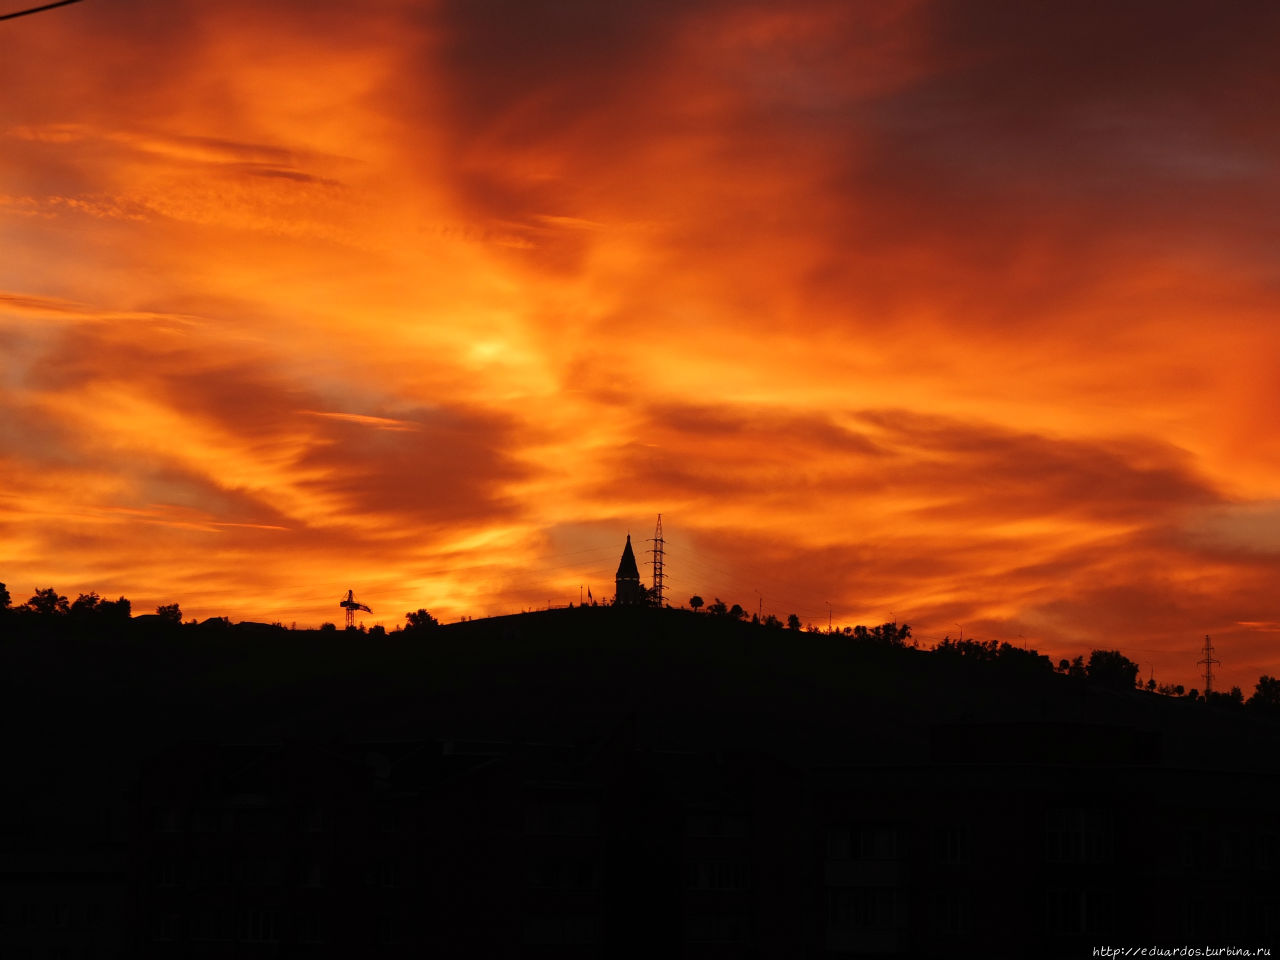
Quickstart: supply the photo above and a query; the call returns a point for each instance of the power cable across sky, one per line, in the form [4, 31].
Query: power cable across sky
[40, 9]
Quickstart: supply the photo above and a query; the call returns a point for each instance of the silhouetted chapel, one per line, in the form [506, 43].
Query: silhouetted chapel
[629, 592]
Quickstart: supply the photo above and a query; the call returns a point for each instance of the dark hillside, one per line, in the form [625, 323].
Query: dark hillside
[696, 679]
[837, 762]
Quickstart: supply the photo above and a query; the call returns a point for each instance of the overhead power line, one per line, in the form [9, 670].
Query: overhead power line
[47, 6]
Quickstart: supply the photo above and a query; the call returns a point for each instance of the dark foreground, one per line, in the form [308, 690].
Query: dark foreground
[610, 783]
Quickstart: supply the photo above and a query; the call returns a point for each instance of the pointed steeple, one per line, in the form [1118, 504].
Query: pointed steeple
[627, 569]
[629, 592]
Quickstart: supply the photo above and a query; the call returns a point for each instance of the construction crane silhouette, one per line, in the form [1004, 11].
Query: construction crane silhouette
[351, 605]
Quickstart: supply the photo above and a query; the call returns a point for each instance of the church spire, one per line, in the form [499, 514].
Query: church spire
[629, 591]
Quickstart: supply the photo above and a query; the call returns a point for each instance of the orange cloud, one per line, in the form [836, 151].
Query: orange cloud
[959, 315]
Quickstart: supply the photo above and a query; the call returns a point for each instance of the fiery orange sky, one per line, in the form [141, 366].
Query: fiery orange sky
[961, 312]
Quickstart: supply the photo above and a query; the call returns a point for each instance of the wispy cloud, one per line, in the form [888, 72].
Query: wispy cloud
[959, 312]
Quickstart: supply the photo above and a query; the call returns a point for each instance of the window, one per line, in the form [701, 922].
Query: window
[211, 870]
[311, 871]
[862, 842]
[562, 929]
[311, 926]
[711, 823]
[716, 928]
[1193, 850]
[167, 926]
[1077, 912]
[1235, 853]
[257, 820]
[312, 820]
[1078, 836]
[387, 872]
[389, 818]
[564, 873]
[950, 913]
[213, 924]
[389, 928]
[260, 926]
[861, 908]
[562, 818]
[166, 872]
[261, 872]
[718, 875]
[1267, 853]
[951, 845]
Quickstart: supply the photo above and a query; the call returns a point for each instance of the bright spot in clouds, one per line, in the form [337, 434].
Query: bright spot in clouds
[959, 312]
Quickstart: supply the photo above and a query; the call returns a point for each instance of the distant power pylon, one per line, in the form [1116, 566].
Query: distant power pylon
[1208, 662]
[659, 588]
[351, 605]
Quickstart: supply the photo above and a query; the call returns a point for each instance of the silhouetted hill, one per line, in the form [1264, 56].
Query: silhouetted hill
[693, 679]
[805, 735]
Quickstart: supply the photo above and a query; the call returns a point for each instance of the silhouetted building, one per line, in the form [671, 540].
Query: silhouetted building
[65, 883]
[630, 592]
[837, 799]
[469, 848]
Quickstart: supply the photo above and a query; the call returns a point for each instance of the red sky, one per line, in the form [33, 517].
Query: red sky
[962, 312]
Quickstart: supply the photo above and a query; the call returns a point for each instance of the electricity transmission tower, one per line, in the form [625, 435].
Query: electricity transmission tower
[1208, 662]
[659, 588]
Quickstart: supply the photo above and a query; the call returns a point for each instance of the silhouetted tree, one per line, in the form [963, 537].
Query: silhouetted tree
[328, 628]
[171, 612]
[377, 630]
[695, 603]
[1112, 669]
[1231, 699]
[1266, 696]
[89, 607]
[737, 613]
[47, 602]
[420, 620]
[793, 622]
[85, 605]
[718, 608]
[887, 634]
[772, 622]
[5, 599]
[993, 651]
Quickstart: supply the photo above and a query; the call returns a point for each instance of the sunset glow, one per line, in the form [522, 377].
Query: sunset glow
[959, 313]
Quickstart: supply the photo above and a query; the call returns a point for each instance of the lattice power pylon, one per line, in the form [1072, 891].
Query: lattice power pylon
[351, 605]
[659, 588]
[1208, 662]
